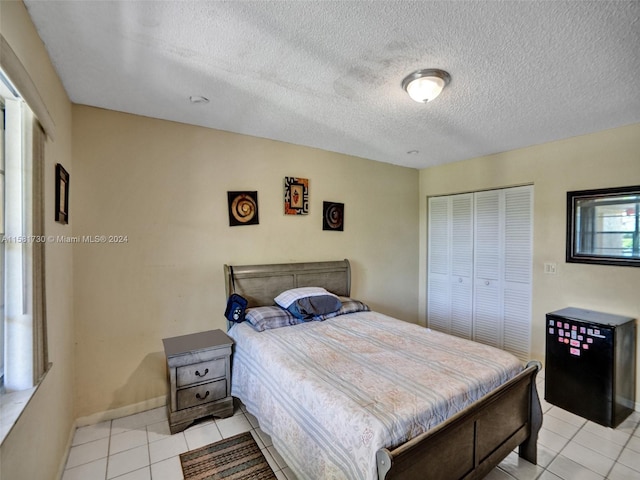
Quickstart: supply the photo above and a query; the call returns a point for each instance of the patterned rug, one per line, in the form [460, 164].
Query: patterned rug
[234, 458]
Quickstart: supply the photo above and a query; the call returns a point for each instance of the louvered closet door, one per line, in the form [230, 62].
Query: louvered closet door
[487, 316]
[479, 271]
[461, 275]
[518, 254]
[439, 293]
[450, 264]
[502, 269]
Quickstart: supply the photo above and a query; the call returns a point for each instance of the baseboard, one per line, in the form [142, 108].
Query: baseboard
[122, 411]
[104, 416]
[67, 449]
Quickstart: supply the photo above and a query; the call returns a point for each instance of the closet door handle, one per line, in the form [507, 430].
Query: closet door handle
[199, 397]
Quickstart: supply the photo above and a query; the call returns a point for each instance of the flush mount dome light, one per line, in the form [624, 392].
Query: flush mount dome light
[425, 85]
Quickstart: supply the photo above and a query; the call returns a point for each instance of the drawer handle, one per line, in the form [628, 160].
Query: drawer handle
[198, 374]
[202, 398]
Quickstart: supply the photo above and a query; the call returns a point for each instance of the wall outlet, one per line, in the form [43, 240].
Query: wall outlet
[550, 268]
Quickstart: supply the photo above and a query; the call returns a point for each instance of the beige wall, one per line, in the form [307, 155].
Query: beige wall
[164, 185]
[605, 159]
[36, 447]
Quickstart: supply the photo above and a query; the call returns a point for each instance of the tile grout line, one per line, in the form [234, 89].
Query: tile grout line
[563, 447]
[615, 461]
[545, 469]
[146, 428]
[635, 429]
[106, 468]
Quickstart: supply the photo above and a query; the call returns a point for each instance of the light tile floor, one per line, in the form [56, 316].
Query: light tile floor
[140, 447]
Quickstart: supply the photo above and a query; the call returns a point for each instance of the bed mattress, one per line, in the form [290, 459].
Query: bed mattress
[331, 393]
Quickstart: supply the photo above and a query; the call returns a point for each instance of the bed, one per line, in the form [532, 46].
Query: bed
[360, 395]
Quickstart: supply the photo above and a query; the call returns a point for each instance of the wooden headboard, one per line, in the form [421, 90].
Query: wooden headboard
[260, 284]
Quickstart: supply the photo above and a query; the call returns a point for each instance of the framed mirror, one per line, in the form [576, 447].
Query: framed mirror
[603, 226]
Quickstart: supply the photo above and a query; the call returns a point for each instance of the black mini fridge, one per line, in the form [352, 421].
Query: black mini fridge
[590, 364]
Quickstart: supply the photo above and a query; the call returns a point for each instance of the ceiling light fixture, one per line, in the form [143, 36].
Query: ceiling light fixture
[425, 85]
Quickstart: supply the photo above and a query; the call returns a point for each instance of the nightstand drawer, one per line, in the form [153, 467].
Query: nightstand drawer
[201, 372]
[199, 377]
[209, 392]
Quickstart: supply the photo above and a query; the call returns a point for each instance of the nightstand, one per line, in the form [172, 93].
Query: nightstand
[199, 375]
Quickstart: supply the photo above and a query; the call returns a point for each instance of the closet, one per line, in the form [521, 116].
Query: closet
[479, 267]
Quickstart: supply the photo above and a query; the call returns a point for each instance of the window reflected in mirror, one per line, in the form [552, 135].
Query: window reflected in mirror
[603, 226]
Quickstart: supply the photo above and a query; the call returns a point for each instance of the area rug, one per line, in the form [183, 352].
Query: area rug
[234, 458]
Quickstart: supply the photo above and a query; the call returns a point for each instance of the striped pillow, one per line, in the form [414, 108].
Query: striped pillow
[265, 318]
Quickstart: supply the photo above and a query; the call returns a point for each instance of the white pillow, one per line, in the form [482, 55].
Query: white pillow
[286, 298]
[307, 303]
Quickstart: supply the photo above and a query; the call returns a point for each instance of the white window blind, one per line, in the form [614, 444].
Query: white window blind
[24, 341]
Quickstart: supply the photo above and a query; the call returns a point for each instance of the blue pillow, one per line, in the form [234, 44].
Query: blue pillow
[349, 305]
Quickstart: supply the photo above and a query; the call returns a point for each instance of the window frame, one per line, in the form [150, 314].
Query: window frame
[15, 397]
[2, 234]
[574, 252]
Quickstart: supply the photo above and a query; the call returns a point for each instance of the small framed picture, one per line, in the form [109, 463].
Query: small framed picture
[296, 196]
[333, 216]
[62, 194]
[243, 208]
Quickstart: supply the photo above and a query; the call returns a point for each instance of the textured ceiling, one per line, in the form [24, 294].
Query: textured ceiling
[327, 74]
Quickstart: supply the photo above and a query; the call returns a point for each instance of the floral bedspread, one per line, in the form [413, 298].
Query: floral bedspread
[332, 393]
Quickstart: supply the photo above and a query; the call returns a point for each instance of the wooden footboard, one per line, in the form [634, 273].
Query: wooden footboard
[471, 443]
